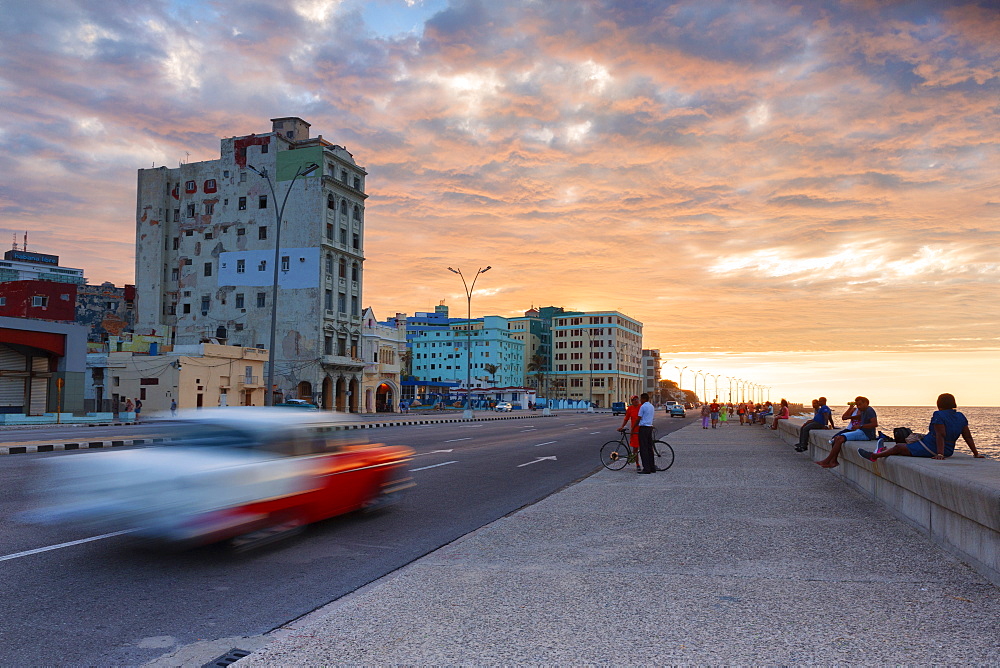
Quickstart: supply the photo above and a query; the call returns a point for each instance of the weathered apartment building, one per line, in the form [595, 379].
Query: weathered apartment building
[205, 248]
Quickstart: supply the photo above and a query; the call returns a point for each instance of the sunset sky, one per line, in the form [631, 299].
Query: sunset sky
[803, 195]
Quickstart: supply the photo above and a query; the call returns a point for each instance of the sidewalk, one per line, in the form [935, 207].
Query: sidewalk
[745, 552]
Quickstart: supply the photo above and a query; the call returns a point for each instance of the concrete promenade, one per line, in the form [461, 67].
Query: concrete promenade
[745, 552]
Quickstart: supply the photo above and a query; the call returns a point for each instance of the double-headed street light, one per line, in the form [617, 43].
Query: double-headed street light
[467, 413]
[279, 212]
[680, 378]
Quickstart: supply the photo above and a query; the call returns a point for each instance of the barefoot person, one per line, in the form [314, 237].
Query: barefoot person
[947, 424]
[867, 423]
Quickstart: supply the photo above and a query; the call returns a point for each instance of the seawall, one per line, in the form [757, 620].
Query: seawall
[956, 502]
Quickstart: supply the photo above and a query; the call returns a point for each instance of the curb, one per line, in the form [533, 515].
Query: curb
[80, 445]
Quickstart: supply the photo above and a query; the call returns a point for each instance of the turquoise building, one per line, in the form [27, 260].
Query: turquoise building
[442, 354]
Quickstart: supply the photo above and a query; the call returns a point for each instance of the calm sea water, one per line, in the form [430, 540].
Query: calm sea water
[984, 422]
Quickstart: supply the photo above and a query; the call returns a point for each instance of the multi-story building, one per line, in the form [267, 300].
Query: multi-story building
[205, 254]
[441, 355]
[383, 346]
[41, 300]
[22, 265]
[651, 373]
[596, 356]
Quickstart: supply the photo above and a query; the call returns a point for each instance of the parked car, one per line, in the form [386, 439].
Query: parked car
[246, 474]
[504, 406]
[618, 408]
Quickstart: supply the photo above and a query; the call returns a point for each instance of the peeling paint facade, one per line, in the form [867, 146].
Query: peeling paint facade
[205, 235]
[105, 310]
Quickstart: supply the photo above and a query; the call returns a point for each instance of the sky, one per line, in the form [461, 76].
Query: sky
[805, 196]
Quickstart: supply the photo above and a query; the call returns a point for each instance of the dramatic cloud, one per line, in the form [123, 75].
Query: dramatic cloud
[751, 177]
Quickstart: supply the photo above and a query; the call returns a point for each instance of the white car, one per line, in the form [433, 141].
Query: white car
[504, 406]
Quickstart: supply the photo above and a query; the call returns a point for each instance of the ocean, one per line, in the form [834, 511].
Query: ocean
[984, 423]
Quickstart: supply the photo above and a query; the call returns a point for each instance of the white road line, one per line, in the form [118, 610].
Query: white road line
[595, 432]
[467, 438]
[433, 466]
[432, 452]
[540, 459]
[26, 553]
[532, 429]
[545, 443]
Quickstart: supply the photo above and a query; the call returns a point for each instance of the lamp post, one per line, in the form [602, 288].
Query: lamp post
[716, 377]
[697, 373]
[279, 212]
[730, 379]
[680, 378]
[467, 413]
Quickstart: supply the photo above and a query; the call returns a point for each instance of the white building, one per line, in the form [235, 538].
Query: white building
[383, 347]
[651, 363]
[596, 357]
[205, 254]
[22, 265]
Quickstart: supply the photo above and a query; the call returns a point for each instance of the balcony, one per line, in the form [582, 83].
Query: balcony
[342, 361]
[249, 382]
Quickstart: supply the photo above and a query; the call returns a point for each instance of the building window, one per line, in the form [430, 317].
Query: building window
[331, 203]
[343, 206]
[177, 215]
[209, 236]
[328, 300]
[40, 300]
[261, 299]
[208, 269]
[210, 186]
[174, 273]
[3, 301]
[240, 300]
[209, 208]
[329, 264]
[343, 268]
[177, 243]
[354, 306]
[342, 303]
[262, 202]
[205, 302]
[190, 210]
[327, 345]
[356, 241]
[357, 212]
[262, 265]
[343, 175]
[190, 187]
[262, 232]
[285, 263]
[263, 148]
[241, 266]
[186, 308]
[329, 231]
[343, 236]
[240, 231]
[242, 204]
[357, 183]
[354, 271]
[243, 177]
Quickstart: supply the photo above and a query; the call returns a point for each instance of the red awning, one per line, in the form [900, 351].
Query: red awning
[47, 341]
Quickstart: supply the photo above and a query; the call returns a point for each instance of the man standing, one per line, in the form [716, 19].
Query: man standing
[822, 417]
[646, 412]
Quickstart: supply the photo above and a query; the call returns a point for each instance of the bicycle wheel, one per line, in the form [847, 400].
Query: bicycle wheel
[663, 455]
[614, 455]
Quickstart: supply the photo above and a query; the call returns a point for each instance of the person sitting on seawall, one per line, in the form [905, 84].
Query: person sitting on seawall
[867, 423]
[782, 414]
[766, 412]
[947, 424]
[822, 418]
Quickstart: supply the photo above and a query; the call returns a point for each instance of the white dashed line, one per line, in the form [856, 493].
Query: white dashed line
[467, 438]
[545, 443]
[433, 466]
[61, 545]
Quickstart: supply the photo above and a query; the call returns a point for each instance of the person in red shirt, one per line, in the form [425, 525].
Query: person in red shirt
[632, 413]
[713, 410]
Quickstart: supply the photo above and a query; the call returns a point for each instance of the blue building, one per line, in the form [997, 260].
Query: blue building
[442, 354]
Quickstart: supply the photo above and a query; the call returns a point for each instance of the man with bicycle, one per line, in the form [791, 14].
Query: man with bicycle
[646, 413]
[632, 413]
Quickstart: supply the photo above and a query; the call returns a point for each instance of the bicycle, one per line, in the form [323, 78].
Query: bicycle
[616, 455]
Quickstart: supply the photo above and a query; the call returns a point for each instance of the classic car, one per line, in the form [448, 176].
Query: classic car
[241, 474]
[504, 406]
[618, 408]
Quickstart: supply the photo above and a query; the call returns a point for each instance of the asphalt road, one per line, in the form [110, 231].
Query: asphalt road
[109, 602]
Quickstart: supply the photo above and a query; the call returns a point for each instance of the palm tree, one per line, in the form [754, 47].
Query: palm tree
[492, 370]
[536, 370]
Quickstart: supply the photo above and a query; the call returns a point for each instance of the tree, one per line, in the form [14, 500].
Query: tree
[536, 372]
[492, 370]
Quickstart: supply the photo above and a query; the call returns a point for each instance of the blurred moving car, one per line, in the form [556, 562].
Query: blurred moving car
[618, 408]
[246, 474]
[504, 406]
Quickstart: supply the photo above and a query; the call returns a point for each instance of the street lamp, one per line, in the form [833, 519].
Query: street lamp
[279, 212]
[716, 377]
[680, 378]
[697, 373]
[730, 379]
[467, 413]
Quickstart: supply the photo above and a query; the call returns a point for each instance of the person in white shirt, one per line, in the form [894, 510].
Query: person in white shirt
[646, 413]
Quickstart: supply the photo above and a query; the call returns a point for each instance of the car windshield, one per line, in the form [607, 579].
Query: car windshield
[212, 436]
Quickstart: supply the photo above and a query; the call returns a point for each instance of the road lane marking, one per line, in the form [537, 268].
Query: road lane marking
[540, 459]
[467, 438]
[433, 466]
[545, 443]
[531, 429]
[61, 545]
[595, 432]
[432, 452]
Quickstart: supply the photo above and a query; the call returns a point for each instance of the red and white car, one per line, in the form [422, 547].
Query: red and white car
[247, 474]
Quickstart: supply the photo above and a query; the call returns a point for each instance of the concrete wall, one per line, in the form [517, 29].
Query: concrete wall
[956, 502]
